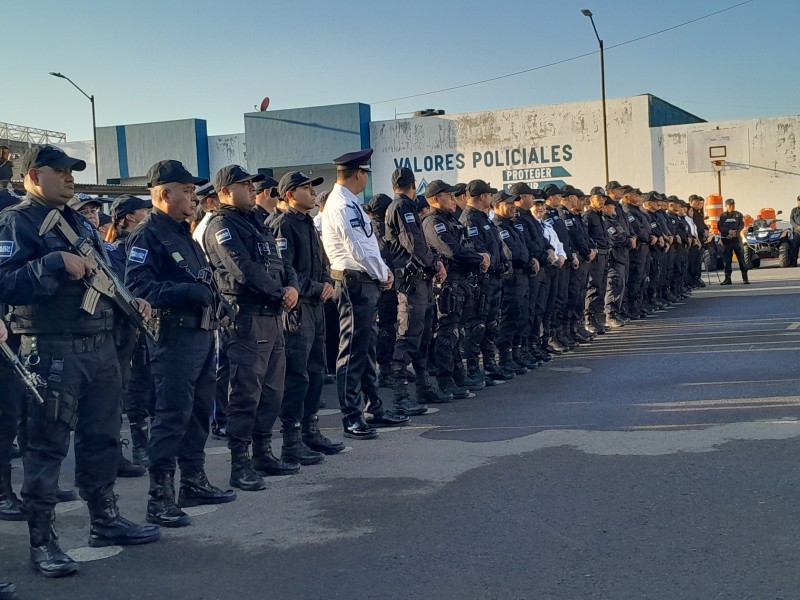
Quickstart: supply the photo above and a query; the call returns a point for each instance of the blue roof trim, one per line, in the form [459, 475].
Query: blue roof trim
[122, 151]
[201, 141]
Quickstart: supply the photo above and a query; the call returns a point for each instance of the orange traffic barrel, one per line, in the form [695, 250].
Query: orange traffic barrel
[713, 209]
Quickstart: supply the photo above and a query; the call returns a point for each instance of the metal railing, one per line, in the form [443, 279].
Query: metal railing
[30, 135]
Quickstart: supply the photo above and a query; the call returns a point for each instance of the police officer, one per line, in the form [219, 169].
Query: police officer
[658, 248]
[639, 227]
[541, 251]
[266, 198]
[696, 254]
[555, 261]
[387, 302]
[415, 269]
[168, 268]
[514, 305]
[484, 319]
[7, 590]
[359, 274]
[598, 268]
[304, 325]
[618, 260]
[730, 225]
[252, 275]
[74, 351]
[682, 242]
[794, 221]
[571, 213]
[10, 405]
[447, 237]
[553, 218]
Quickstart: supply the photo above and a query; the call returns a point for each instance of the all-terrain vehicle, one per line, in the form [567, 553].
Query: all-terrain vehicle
[768, 237]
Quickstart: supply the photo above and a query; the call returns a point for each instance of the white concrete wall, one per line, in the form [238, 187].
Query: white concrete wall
[771, 149]
[85, 151]
[558, 142]
[226, 150]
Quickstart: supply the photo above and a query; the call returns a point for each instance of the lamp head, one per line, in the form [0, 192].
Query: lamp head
[57, 75]
[586, 12]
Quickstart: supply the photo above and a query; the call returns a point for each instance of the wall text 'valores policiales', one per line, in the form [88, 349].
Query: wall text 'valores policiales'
[509, 157]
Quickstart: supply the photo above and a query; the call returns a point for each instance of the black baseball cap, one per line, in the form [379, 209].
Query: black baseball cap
[294, 180]
[231, 174]
[502, 196]
[569, 190]
[171, 171]
[127, 205]
[377, 205]
[597, 191]
[476, 187]
[422, 203]
[205, 191]
[551, 189]
[461, 189]
[609, 201]
[80, 200]
[694, 197]
[520, 188]
[403, 177]
[265, 184]
[103, 219]
[46, 155]
[437, 186]
[613, 185]
[651, 197]
[730, 201]
[354, 160]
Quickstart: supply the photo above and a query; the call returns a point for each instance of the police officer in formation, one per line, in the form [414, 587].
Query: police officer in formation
[731, 224]
[471, 299]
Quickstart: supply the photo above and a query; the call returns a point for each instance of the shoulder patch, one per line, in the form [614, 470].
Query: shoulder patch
[440, 228]
[519, 227]
[568, 222]
[281, 243]
[487, 226]
[409, 217]
[631, 218]
[223, 235]
[355, 223]
[7, 248]
[109, 246]
[472, 231]
[504, 234]
[138, 255]
[549, 222]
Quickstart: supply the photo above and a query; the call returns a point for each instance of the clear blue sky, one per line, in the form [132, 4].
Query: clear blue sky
[158, 60]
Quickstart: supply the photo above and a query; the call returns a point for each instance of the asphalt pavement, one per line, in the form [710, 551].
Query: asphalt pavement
[658, 462]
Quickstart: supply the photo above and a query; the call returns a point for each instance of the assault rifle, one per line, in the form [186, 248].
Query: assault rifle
[104, 282]
[32, 381]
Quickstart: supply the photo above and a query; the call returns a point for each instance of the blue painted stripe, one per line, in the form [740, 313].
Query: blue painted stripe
[201, 143]
[122, 151]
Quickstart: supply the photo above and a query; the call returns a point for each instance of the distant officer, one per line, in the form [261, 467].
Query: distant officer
[658, 247]
[304, 325]
[730, 225]
[553, 216]
[514, 304]
[359, 273]
[266, 198]
[481, 337]
[209, 202]
[387, 302]
[415, 270]
[668, 260]
[598, 268]
[460, 195]
[682, 242]
[585, 253]
[794, 220]
[555, 261]
[252, 275]
[43, 282]
[639, 227]
[9, 503]
[10, 408]
[542, 252]
[618, 260]
[447, 237]
[696, 256]
[169, 269]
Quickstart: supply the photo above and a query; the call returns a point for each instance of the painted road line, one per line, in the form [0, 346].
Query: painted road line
[721, 401]
[793, 326]
[740, 382]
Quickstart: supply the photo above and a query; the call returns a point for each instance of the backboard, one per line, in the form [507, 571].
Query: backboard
[729, 145]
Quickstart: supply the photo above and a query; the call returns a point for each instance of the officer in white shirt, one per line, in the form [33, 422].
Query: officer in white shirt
[359, 274]
[207, 198]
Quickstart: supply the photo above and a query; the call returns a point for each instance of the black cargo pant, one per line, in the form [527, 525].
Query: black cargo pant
[538, 290]
[637, 272]
[695, 263]
[83, 392]
[387, 327]
[667, 269]
[414, 324]
[483, 321]
[258, 366]
[576, 292]
[11, 397]
[223, 375]
[596, 287]
[450, 304]
[617, 278]
[656, 266]
[139, 397]
[356, 377]
[679, 270]
[513, 310]
[549, 317]
[728, 250]
[183, 372]
[304, 334]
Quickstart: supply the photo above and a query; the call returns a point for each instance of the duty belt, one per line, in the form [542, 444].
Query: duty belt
[359, 276]
[79, 343]
[256, 310]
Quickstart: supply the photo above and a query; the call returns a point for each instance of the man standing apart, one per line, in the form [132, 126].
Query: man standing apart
[169, 269]
[730, 224]
[304, 325]
[359, 274]
[73, 350]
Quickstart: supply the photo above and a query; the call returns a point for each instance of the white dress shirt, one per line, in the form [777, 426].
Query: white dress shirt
[552, 237]
[200, 230]
[348, 236]
[692, 225]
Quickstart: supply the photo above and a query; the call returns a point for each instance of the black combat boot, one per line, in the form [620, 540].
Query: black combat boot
[562, 333]
[727, 280]
[108, 528]
[140, 437]
[744, 278]
[313, 438]
[197, 490]
[578, 335]
[449, 386]
[613, 320]
[10, 505]
[475, 378]
[403, 403]
[243, 475]
[495, 371]
[385, 376]
[126, 468]
[509, 364]
[8, 591]
[428, 392]
[294, 451]
[521, 356]
[554, 344]
[264, 462]
[161, 507]
[46, 555]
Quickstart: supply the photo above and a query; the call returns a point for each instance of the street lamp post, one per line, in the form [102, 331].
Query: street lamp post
[94, 122]
[588, 13]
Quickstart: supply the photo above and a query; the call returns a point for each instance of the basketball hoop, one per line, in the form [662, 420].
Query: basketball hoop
[718, 165]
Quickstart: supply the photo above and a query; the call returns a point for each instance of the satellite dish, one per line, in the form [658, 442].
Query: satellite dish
[264, 104]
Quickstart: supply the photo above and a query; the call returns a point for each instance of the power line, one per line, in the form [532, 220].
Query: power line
[560, 62]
